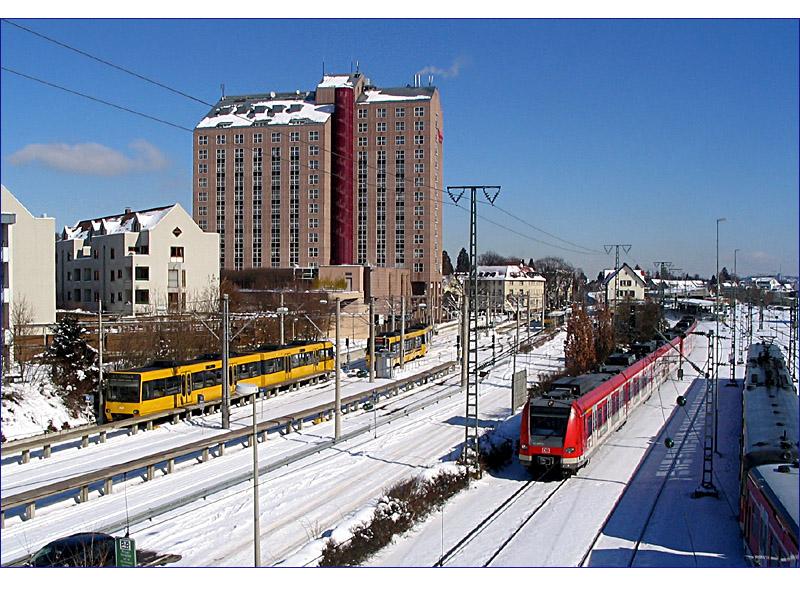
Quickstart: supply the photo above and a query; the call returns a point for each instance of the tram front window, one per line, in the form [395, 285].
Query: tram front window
[548, 425]
[123, 388]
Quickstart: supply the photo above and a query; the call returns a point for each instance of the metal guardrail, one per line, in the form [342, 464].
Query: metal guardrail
[204, 449]
[47, 441]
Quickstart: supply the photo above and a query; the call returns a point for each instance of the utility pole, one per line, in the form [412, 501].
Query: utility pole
[516, 349]
[626, 247]
[256, 514]
[337, 427]
[402, 331]
[391, 297]
[707, 487]
[793, 340]
[371, 339]
[464, 337]
[528, 314]
[471, 452]
[100, 401]
[282, 312]
[716, 342]
[732, 355]
[663, 269]
[226, 389]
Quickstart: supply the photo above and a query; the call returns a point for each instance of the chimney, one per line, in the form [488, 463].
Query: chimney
[128, 210]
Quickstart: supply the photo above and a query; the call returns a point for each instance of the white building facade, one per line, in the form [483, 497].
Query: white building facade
[624, 284]
[137, 262]
[28, 266]
[501, 287]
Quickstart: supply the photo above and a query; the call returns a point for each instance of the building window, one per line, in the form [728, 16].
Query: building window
[419, 239]
[202, 182]
[313, 165]
[313, 193]
[399, 112]
[419, 267]
[176, 253]
[419, 125]
[380, 127]
[400, 140]
[111, 253]
[220, 139]
[419, 139]
[419, 111]
[238, 138]
[418, 252]
[380, 113]
[419, 168]
[257, 137]
[276, 137]
[202, 196]
[202, 211]
[202, 154]
[313, 208]
[96, 275]
[294, 136]
[313, 237]
[142, 273]
[362, 127]
[419, 224]
[418, 181]
[419, 154]
[313, 223]
[314, 149]
[313, 179]
[313, 135]
[202, 140]
[202, 168]
[362, 113]
[380, 140]
[418, 210]
[313, 252]
[142, 296]
[362, 141]
[399, 126]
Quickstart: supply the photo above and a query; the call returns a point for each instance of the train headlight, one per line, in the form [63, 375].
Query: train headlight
[570, 450]
[136, 412]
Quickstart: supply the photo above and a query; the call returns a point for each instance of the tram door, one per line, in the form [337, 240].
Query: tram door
[186, 390]
[627, 398]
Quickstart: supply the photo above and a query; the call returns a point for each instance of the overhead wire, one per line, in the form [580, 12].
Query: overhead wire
[331, 151]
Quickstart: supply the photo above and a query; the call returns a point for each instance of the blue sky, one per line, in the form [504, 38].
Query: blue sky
[599, 131]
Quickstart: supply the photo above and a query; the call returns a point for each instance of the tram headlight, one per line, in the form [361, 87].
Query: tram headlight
[570, 450]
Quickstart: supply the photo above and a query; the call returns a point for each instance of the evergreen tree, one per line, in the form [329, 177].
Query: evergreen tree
[447, 265]
[72, 361]
[462, 262]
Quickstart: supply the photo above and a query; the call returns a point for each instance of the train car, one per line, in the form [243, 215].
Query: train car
[416, 343]
[168, 385]
[769, 497]
[563, 428]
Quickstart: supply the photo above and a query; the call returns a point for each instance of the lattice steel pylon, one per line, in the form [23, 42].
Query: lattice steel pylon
[471, 454]
[707, 487]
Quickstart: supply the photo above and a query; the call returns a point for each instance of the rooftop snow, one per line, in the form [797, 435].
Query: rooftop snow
[270, 112]
[147, 219]
[336, 82]
[392, 95]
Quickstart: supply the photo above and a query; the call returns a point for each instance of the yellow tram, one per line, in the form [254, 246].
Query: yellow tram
[416, 343]
[163, 386]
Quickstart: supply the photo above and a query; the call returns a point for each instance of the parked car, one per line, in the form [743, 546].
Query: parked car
[362, 373]
[87, 549]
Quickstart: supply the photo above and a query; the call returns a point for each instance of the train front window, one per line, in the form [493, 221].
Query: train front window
[123, 388]
[548, 424]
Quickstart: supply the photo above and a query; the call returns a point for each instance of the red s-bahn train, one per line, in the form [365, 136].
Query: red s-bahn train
[769, 495]
[564, 427]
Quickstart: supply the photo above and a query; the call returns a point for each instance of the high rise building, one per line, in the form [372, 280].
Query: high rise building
[346, 174]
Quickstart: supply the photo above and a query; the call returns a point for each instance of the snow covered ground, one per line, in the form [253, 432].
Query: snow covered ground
[591, 519]
[29, 408]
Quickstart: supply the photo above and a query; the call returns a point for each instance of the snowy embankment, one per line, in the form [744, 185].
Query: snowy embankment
[30, 408]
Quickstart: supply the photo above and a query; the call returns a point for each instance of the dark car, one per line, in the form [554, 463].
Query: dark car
[88, 549]
[362, 373]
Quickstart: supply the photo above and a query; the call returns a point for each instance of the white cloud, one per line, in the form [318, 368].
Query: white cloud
[450, 72]
[92, 159]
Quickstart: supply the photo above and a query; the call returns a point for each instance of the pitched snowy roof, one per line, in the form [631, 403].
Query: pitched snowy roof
[609, 274]
[508, 273]
[336, 81]
[266, 109]
[128, 222]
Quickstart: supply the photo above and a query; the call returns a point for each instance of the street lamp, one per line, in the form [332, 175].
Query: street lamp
[282, 311]
[337, 427]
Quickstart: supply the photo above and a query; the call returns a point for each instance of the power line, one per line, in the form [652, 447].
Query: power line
[101, 101]
[104, 62]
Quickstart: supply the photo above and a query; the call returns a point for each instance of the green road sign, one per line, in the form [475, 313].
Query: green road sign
[125, 550]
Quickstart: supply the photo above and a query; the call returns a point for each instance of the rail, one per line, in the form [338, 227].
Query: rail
[205, 449]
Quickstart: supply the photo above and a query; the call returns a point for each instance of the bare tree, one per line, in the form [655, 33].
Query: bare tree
[21, 331]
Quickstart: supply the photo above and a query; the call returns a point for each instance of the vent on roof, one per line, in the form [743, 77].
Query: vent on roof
[127, 210]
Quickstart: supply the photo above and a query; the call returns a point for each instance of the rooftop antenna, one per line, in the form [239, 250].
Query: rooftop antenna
[357, 70]
[430, 80]
[323, 67]
[222, 89]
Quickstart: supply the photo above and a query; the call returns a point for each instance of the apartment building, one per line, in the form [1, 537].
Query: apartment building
[136, 262]
[348, 173]
[502, 287]
[28, 265]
